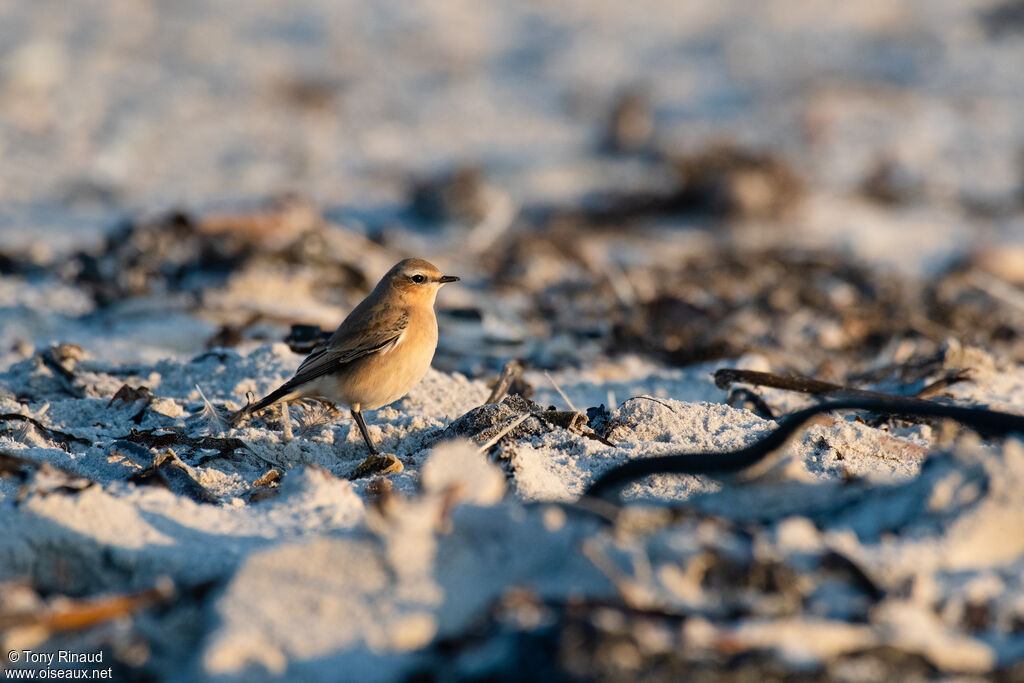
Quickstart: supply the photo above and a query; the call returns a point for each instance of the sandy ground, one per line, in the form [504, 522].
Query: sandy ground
[885, 135]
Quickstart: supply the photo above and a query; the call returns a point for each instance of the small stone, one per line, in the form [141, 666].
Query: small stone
[386, 463]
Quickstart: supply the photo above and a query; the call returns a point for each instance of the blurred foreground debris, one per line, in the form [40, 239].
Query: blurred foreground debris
[65, 614]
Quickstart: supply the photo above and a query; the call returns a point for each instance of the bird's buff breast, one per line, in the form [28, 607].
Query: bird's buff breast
[375, 381]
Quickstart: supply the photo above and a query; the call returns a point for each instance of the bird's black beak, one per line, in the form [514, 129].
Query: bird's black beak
[448, 278]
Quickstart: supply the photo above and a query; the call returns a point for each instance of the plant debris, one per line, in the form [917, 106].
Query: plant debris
[725, 377]
[170, 472]
[129, 395]
[160, 439]
[63, 439]
[988, 422]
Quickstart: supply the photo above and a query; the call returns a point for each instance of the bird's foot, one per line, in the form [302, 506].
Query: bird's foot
[379, 463]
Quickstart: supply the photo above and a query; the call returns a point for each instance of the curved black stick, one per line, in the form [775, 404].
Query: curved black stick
[985, 422]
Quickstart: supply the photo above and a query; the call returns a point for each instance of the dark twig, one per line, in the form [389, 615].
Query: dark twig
[646, 398]
[725, 377]
[728, 376]
[573, 421]
[938, 385]
[985, 422]
[512, 372]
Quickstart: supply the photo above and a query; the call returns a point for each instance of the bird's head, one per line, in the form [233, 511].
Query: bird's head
[416, 280]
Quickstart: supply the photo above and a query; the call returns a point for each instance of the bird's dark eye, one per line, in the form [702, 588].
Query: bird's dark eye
[419, 279]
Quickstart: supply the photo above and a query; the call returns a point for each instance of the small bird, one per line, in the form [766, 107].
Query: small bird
[378, 353]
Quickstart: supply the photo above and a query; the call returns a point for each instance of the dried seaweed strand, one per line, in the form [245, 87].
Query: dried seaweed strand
[986, 422]
[167, 439]
[51, 434]
[938, 385]
[725, 377]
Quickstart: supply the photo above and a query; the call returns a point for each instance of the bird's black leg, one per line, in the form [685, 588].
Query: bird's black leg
[357, 415]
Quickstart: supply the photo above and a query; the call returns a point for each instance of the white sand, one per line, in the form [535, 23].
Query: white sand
[317, 577]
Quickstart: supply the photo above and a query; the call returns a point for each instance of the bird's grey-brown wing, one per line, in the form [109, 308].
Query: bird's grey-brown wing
[339, 351]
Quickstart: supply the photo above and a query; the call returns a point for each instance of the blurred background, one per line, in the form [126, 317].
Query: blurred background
[829, 185]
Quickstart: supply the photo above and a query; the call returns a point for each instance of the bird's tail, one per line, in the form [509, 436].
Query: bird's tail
[282, 393]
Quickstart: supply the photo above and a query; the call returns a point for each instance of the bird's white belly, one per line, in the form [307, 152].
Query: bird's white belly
[395, 384]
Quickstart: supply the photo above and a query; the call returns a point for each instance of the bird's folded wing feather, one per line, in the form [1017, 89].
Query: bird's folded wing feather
[332, 356]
